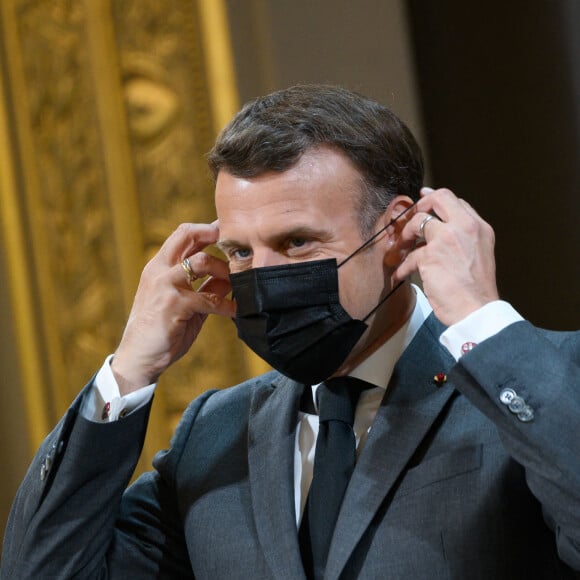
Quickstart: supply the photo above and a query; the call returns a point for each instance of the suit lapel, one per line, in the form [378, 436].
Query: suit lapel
[410, 406]
[272, 435]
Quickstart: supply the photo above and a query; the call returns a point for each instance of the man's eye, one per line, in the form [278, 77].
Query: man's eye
[297, 242]
[240, 253]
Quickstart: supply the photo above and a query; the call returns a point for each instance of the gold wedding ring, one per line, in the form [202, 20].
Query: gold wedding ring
[191, 277]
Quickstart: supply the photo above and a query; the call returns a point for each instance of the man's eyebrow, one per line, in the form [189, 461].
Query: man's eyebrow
[225, 245]
[300, 232]
[296, 232]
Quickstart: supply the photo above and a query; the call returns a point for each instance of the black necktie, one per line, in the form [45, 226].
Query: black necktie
[334, 461]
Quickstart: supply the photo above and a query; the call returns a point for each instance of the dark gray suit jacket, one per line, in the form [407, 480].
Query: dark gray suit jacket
[450, 484]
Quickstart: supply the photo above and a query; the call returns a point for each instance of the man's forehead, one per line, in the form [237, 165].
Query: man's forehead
[298, 201]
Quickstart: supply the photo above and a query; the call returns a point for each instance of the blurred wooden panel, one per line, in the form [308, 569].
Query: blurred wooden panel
[108, 113]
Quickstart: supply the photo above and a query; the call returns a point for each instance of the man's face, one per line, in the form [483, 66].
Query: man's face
[309, 212]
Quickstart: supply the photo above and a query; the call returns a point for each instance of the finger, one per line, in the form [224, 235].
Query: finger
[411, 233]
[212, 299]
[451, 208]
[425, 226]
[197, 267]
[203, 264]
[443, 202]
[210, 296]
[469, 209]
[221, 289]
[216, 286]
[409, 265]
[186, 240]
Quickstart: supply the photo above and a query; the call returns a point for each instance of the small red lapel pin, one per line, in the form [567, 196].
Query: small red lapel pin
[440, 378]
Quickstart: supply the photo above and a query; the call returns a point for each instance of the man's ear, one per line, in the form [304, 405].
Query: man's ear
[396, 211]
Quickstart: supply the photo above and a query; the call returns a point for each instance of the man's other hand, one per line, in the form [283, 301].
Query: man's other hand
[167, 313]
[453, 253]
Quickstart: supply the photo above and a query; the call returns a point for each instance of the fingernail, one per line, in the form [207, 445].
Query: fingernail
[427, 190]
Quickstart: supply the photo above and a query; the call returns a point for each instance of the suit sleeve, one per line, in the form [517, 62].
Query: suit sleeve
[73, 517]
[539, 429]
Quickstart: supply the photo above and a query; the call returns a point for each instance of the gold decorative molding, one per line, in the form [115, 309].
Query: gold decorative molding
[219, 58]
[108, 108]
[14, 239]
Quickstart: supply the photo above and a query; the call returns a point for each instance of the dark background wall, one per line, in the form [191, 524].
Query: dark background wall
[491, 89]
[364, 45]
[499, 86]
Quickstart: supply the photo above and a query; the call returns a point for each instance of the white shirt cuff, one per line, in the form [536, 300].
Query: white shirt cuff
[478, 326]
[104, 403]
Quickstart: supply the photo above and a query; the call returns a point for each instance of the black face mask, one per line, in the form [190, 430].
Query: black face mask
[291, 316]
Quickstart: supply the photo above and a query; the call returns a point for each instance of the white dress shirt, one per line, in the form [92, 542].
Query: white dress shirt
[104, 402]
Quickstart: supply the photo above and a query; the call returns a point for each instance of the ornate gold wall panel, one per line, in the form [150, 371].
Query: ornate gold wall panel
[106, 115]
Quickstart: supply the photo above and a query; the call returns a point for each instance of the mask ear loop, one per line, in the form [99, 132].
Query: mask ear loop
[383, 300]
[366, 244]
[376, 235]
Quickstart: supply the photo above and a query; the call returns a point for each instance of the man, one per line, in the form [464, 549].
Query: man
[468, 457]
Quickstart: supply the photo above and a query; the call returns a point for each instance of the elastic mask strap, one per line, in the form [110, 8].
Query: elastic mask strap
[366, 244]
[372, 239]
[383, 300]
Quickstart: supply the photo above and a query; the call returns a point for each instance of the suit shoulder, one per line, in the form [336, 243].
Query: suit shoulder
[240, 395]
[218, 407]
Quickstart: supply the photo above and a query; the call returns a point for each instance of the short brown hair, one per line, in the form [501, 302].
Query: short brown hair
[271, 133]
